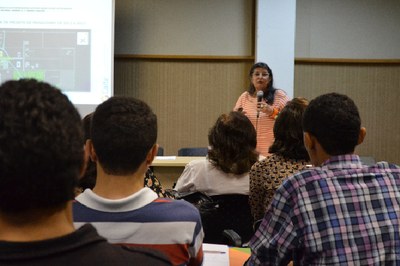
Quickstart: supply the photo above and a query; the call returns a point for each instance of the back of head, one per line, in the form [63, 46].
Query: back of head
[233, 142]
[288, 131]
[41, 149]
[333, 119]
[123, 131]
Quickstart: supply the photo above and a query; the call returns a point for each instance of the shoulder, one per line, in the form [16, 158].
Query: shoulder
[281, 95]
[268, 161]
[196, 167]
[198, 163]
[177, 209]
[96, 248]
[386, 165]
[301, 180]
[280, 92]
[244, 95]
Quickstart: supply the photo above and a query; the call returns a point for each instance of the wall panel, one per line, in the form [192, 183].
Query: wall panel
[376, 91]
[187, 96]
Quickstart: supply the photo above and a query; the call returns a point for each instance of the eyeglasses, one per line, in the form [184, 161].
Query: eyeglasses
[263, 74]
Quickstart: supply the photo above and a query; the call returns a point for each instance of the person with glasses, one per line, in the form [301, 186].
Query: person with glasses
[261, 103]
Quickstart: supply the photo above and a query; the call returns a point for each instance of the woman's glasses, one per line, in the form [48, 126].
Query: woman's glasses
[263, 74]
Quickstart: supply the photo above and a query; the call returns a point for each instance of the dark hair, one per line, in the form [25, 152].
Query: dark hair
[233, 142]
[41, 151]
[288, 131]
[88, 180]
[269, 95]
[334, 120]
[123, 131]
[87, 124]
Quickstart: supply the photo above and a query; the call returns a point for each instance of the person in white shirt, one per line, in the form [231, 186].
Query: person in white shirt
[232, 152]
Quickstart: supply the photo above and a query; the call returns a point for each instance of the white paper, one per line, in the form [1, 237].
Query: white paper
[215, 255]
[166, 157]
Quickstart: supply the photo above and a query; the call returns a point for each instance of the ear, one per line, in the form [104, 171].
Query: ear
[86, 158]
[309, 141]
[361, 135]
[151, 154]
[92, 153]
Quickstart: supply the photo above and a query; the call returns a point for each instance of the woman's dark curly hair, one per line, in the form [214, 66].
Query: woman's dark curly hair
[233, 142]
[288, 131]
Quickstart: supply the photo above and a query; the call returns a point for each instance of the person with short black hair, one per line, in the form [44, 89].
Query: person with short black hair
[41, 158]
[339, 212]
[89, 178]
[123, 145]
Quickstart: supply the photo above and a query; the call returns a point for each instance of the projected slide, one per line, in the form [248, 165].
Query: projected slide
[68, 43]
[61, 57]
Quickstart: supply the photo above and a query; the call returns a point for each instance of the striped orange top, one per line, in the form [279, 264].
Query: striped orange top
[264, 125]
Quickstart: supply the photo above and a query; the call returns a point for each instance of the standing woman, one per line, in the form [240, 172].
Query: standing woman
[262, 114]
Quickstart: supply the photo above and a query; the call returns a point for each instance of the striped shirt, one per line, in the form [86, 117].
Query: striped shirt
[171, 226]
[342, 213]
[264, 125]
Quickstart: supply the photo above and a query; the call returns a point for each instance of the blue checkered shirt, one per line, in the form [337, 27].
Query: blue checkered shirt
[342, 213]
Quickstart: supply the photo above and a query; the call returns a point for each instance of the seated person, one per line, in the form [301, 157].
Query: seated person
[123, 145]
[89, 178]
[224, 176]
[339, 212]
[232, 152]
[288, 156]
[41, 157]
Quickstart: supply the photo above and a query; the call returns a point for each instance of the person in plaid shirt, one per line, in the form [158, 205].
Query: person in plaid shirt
[339, 212]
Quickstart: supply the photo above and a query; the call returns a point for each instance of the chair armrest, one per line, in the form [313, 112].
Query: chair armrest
[233, 238]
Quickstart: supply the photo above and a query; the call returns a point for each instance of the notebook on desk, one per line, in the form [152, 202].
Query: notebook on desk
[215, 255]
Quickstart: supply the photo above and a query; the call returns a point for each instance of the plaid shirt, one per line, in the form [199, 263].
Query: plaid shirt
[342, 213]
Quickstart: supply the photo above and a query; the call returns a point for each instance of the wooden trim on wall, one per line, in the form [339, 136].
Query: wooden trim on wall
[346, 61]
[184, 57]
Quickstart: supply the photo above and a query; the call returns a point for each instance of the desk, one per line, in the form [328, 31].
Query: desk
[168, 168]
[238, 256]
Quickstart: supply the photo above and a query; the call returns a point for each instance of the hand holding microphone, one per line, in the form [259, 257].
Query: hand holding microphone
[262, 106]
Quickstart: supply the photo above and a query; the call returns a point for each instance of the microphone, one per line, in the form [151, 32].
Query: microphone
[260, 95]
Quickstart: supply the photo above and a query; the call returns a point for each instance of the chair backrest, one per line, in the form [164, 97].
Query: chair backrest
[160, 151]
[197, 151]
[232, 212]
[367, 160]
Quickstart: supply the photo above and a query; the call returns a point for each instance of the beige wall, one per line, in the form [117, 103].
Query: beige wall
[188, 96]
[376, 91]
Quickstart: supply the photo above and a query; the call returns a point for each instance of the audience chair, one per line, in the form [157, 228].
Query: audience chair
[198, 151]
[232, 214]
[367, 160]
[160, 151]
[226, 218]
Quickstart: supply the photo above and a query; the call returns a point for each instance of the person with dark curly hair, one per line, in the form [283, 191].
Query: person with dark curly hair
[338, 212]
[224, 177]
[232, 152]
[41, 158]
[263, 108]
[288, 156]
